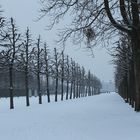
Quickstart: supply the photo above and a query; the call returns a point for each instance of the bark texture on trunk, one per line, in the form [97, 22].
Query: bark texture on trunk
[136, 58]
[137, 73]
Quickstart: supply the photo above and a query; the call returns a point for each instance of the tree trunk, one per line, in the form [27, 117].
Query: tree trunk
[136, 67]
[11, 87]
[71, 90]
[132, 87]
[77, 90]
[56, 88]
[62, 88]
[137, 74]
[67, 91]
[92, 91]
[48, 90]
[39, 89]
[126, 88]
[74, 90]
[89, 91]
[27, 88]
[132, 82]
[86, 93]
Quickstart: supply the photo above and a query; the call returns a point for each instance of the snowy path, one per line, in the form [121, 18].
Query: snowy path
[101, 117]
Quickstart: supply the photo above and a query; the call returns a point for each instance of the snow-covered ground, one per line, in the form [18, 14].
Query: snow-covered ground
[101, 117]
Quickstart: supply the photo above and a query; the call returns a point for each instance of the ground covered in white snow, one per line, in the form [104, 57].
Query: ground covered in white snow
[101, 117]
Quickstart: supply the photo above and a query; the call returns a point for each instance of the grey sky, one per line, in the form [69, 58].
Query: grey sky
[26, 11]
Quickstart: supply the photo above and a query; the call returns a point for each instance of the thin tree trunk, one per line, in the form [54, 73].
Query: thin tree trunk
[62, 88]
[68, 73]
[11, 86]
[62, 77]
[56, 74]
[56, 88]
[77, 89]
[67, 91]
[47, 71]
[86, 91]
[132, 83]
[39, 89]
[38, 70]
[71, 90]
[48, 91]
[74, 90]
[89, 91]
[27, 88]
[79, 92]
[92, 91]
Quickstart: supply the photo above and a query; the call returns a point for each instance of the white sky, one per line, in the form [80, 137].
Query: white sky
[26, 11]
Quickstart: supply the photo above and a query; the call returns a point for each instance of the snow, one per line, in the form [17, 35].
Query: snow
[100, 117]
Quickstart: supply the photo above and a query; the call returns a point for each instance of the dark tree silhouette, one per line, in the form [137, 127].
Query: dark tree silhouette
[56, 64]
[38, 66]
[62, 75]
[67, 76]
[47, 70]
[11, 44]
[26, 57]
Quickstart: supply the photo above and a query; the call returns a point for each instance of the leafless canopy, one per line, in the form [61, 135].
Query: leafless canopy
[89, 20]
[92, 19]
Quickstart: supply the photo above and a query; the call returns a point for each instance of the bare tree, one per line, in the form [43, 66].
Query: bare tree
[11, 44]
[74, 78]
[67, 76]
[125, 70]
[47, 70]
[26, 56]
[77, 76]
[80, 82]
[71, 78]
[56, 64]
[62, 75]
[38, 54]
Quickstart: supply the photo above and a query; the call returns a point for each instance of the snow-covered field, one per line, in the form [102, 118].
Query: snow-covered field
[101, 117]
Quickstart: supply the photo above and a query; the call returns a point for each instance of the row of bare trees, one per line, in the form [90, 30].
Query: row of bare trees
[124, 75]
[100, 20]
[32, 58]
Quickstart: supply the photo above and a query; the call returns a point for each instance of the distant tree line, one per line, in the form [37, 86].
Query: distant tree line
[27, 64]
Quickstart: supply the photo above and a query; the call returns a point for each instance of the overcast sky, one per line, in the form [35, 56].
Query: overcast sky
[25, 12]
